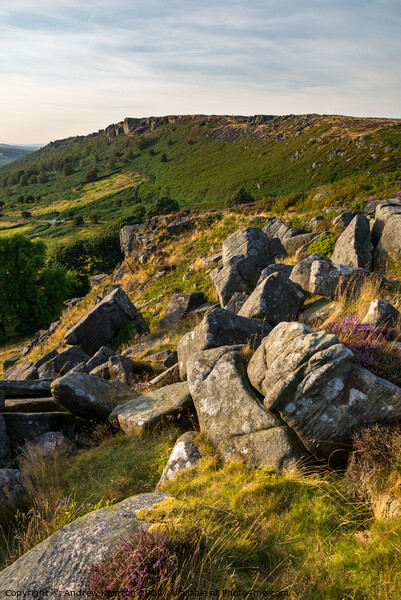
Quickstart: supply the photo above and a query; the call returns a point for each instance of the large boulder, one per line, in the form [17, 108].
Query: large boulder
[276, 299]
[146, 411]
[87, 396]
[129, 239]
[30, 405]
[220, 328]
[184, 455]
[49, 445]
[231, 414]
[245, 253]
[122, 368]
[389, 246]
[102, 356]
[319, 275]
[310, 380]
[63, 560]
[104, 321]
[11, 487]
[24, 371]
[180, 305]
[354, 246]
[63, 362]
[384, 211]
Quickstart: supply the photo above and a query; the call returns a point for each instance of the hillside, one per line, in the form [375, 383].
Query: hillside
[198, 161]
[9, 153]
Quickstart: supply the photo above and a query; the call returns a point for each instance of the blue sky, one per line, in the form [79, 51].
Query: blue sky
[70, 67]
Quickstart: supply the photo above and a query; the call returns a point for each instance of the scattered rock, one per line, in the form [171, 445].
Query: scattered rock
[48, 445]
[102, 356]
[344, 219]
[25, 371]
[98, 279]
[10, 362]
[25, 389]
[146, 411]
[179, 307]
[123, 369]
[179, 226]
[104, 321]
[62, 363]
[276, 299]
[11, 487]
[87, 396]
[184, 455]
[166, 357]
[169, 375]
[22, 427]
[31, 405]
[276, 268]
[220, 328]
[381, 313]
[63, 560]
[236, 302]
[354, 246]
[389, 246]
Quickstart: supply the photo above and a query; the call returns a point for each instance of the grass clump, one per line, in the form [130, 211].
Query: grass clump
[325, 245]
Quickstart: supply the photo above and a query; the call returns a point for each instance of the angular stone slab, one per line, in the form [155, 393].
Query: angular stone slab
[381, 313]
[63, 560]
[146, 411]
[63, 363]
[104, 321]
[87, 396]
[30, 405]
[22, 427]
[180, 305]
[220, 328]
[354, 246]
[25, 389]
[25, 371]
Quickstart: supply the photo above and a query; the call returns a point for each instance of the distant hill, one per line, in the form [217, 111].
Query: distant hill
[198, 162]
[9, 153]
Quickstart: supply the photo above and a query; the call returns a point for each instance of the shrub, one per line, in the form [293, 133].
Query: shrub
[78, 220]
[144, 566]
[241, 196]
[91, 175]
[325, 245]
[370, 346]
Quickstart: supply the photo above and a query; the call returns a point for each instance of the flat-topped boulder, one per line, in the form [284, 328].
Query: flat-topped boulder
[30, 405]
[220, 328]
[62, 562]
[25, 388]
[145, 411]
[104, 321]
[88, 396]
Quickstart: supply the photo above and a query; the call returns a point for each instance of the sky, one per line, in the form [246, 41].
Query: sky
[71, 67]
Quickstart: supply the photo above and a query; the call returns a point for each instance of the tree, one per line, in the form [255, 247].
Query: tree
[241, 196]
[31, 295]
[78, 220]
[163, 157]
[91, 175]
[42, 177]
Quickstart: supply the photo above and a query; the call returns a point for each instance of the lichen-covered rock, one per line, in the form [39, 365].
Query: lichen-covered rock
[381, 313]
[11, 487]
[231, 414]
[220, 328]
[49, 445]
[389, 245]
[276, 299]
[180, 305]
[310, 379]
[184, 455]
[104, 321]
[62, 363]
[87, 396]
[25, 371]
[63, 560]
[354, 246]
[234, 278]
[318, 275]
[384, 211]
[122, 368]
[276, 268]
[144, 412]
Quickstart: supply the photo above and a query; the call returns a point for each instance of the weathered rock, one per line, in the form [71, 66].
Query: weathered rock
[220, 328]
[165, 357]
[354, 246]
[179, 306]
[276, 299]
[101, 371]
[272, 227]
[87, 396]
[63, 560]
[276, 268]
[170, 375]
[123, 369]
[315, 222]
[63, 363]
[234, 278]
[309, 378]
[213, 260]
[22, 427]
[104, 321]
[49, 445]
[389, 246]
[179, 225]
[276, 247]
[10, 362]
[146, 411]
[30, 405]
[230, 413]
[129, 239]
[381, 313]
[184, 455]
[46, 358]
[11, 487]
[5, 452]
[292, 243]
[384, 212]
[344, 219]
[236, 302]
[97, 279]
[102, 356]
[321, 276]
[25, 389]
[25, 371]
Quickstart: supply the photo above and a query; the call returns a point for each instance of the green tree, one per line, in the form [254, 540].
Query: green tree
[31, 295]
[91, 175]
[241, 196]
[42, 177]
